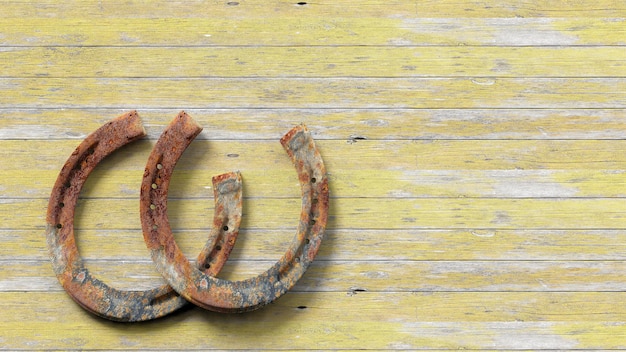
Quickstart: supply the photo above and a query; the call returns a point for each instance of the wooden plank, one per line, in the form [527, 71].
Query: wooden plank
[349, 244]
[115, 182]
[474, 151]
[185, 93]
[346, 213]
[347, 124]
[344, 8]
[490, 320]
[348, 276]
[388, 27]
[327, 61]
[396, 169]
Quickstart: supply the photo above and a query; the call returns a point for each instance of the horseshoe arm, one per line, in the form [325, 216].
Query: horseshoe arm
[89, 292]
[238, 296]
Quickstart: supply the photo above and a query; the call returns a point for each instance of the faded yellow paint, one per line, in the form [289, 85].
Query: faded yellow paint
[327, 61]
[493, 169]
[413, 321]
[366, 213]
[344, 8]
[474, 150]
[430, 93]
[345, 244]
[339, 124]
[374, 276]
[285, 29]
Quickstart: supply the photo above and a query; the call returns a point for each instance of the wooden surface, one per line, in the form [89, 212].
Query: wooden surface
[475, 151]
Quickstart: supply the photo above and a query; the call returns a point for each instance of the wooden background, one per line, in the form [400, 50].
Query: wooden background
[475, 148]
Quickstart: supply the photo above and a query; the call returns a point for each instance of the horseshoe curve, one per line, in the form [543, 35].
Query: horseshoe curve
[91, 293]
[236, 296]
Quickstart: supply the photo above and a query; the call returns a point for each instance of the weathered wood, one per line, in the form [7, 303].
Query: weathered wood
[379, 93]
[336, 320]
[373, 276]
[365, 168]
[392, 28]
[348, 244]
[475, 151]
[345, 213]
[308, 61]
[337, 9]
[342, 124]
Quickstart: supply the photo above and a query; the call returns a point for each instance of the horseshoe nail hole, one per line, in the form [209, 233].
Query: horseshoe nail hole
[152, 206]
[154, 186]
[59, 226]
[159, 166]
[297, 259]
[154, 227]
[68, 185]
[207, 266]
[313, 180]
[307, 241]
[90, 151]
[314, 201]
[61, 205]
[225, 228]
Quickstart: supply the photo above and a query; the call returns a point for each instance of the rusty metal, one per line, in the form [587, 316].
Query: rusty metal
[91, 293]
[224, 295]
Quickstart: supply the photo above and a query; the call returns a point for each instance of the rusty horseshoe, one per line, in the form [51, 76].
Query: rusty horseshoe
[93, 294]
[218, 294]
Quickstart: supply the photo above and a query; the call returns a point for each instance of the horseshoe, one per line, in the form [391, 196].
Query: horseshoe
[219, 294]
[91, 293]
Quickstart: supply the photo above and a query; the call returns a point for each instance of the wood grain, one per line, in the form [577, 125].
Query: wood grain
[475, 152]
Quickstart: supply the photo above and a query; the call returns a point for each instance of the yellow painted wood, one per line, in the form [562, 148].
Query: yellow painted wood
[344, 8]
[338, 320]
[348, 244]
[367, 213]
[188, 93]
[373, 276]
[474, 150]
[327, 61]
[392, 28]
[399, 169]
[342, 124]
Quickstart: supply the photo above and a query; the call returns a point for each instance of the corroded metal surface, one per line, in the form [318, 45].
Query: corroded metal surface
[91, 293]
[235, 296]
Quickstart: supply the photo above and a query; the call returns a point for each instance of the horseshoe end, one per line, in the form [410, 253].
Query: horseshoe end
[295, 138]
[128, 124]
[187, 124]
[227, 183]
